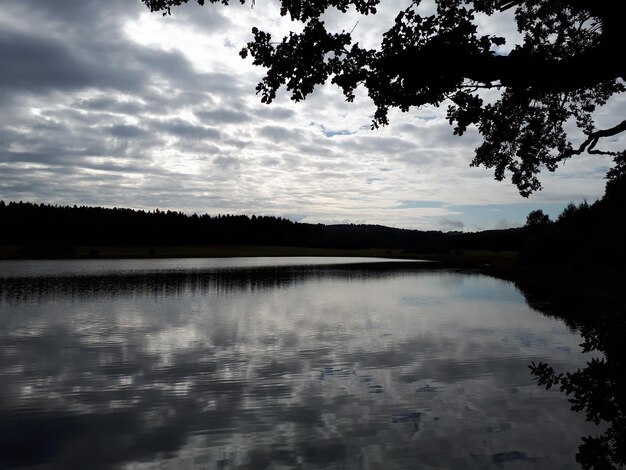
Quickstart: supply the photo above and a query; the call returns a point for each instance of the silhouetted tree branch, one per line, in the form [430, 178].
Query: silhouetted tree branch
[568, 63]
[592, 141]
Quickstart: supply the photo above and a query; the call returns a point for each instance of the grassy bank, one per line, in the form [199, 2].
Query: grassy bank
[470, 258]
[213, 251]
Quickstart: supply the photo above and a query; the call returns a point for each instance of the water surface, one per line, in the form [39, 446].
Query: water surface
[276, 363]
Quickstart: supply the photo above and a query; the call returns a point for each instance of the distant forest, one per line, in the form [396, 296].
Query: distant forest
[582, 233]
[30, 225]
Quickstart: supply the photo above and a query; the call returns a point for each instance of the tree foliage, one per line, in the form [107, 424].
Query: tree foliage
[43, 230]
[537, 218]
[568, 64]
[598, 390]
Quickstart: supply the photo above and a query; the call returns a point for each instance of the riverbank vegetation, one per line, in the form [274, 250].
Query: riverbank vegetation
[580, 251]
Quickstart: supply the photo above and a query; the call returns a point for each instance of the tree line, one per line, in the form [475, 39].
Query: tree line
[30, 224]
[589, 233]
[583, 233]
[41, 227]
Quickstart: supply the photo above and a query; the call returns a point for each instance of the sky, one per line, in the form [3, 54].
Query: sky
[105, 103]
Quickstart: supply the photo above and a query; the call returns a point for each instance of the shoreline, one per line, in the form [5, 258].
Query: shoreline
[84, 252]
[577, 289]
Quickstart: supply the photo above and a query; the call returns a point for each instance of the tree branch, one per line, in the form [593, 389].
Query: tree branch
[422, 66]
[592, 140]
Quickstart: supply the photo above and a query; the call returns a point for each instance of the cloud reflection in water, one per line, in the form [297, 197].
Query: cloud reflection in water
[351, 366]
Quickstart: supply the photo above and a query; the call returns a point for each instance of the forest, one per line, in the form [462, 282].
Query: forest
[584, 233]
[40, 226]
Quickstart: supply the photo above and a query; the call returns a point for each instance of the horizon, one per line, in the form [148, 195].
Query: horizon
[249, 216]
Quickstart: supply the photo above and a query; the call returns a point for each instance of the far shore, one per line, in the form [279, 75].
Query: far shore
[457, 258]
[574, 282]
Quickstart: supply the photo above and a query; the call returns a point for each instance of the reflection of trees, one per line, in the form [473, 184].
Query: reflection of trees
[599, 389]
[44, 288]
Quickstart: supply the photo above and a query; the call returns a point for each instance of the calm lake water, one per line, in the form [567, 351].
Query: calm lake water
[276, 363]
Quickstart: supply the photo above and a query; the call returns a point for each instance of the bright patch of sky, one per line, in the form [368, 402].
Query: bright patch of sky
[105, 103]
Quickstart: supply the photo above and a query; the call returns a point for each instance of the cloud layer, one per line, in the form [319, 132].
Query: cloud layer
[104, 103]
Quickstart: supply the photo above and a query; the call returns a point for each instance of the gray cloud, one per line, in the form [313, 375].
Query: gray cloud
[39, 64]
[202, 19]
[223, 116]
[279, 133]
[184, 129]
[271, 161]
[110, 105]
[84, 15]
[126, 131]
[226, 163]
[100, 102]
[89, 52]
[273, 112]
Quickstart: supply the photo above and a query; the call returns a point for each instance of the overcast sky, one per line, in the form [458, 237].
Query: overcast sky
[104, 103]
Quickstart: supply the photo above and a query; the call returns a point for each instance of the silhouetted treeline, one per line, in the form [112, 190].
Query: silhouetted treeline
[46, 226]
[582, 233]
[585, 233]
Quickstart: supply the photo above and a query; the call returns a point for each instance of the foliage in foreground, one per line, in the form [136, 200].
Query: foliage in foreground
[598, 390]
[569, 63]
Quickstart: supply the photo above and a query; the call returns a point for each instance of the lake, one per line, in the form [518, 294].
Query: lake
[277, 363]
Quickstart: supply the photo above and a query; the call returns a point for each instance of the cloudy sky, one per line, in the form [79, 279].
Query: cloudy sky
[104, 103]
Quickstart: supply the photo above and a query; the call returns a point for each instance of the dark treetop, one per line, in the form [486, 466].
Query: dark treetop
[568, 63]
